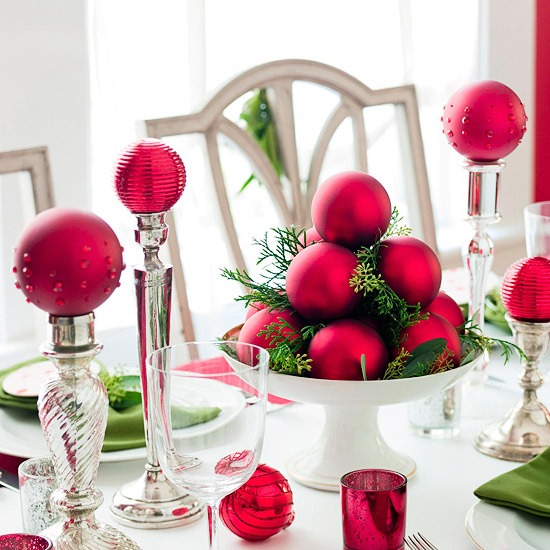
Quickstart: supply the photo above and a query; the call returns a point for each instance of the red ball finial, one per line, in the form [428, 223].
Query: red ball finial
[525, 290]
[67, 261]
[484, 121]
[149, 177]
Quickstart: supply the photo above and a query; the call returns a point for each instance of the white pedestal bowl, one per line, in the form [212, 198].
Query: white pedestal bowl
[351, 438]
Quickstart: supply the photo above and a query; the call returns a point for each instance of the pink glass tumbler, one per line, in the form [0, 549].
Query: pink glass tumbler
[374, 504]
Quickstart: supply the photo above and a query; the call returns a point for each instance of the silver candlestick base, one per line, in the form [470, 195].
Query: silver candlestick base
[524, 432]
[73, 412]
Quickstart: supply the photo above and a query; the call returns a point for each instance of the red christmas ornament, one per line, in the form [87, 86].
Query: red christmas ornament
[445, 306]
[260, 320]
[484, 121]
[411, 268]
[336, 351]
[149, 177]
[67, 261]
[317, 282]
[351, 209]
[433, 327]
[525, 290]
[312, 236]
[261, 508]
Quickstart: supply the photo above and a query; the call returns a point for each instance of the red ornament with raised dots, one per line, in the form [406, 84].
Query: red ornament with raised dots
[149, 177]
[67, 261]
[261, 508]
[484, 121]
[525, 290]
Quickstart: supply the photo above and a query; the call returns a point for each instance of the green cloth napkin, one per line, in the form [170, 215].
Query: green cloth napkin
[124, 428]
[525, 488]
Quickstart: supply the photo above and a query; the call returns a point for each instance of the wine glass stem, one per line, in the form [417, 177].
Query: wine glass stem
[213, 518]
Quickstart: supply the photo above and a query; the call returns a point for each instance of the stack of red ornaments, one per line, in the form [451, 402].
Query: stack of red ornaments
[351, 211]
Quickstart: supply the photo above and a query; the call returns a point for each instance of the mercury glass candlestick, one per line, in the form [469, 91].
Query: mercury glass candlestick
[524, 432]
[68, 262]
[149, 180]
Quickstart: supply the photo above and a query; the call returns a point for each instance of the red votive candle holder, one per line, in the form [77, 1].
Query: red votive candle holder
[24, 541]
[374, 504]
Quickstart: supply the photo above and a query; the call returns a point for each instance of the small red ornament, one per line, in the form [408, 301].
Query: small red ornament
[352, 209]
[317, 282]
[411, 268]
[525, 290]
[336, 350]
[149, 177]
[260, 320]
[484, 121]
[433, 327]
[445, 306]
[67, 261]
[261, 508]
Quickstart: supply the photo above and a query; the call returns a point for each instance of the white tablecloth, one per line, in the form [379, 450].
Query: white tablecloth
[439, 494]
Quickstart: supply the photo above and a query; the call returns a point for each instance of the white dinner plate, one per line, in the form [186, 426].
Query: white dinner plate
[494, 527]
[21, 433]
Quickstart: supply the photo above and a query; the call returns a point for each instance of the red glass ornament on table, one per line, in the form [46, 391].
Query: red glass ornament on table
[374, 505]
[261, 508]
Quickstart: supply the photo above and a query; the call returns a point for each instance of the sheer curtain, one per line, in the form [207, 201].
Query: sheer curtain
[151, 62]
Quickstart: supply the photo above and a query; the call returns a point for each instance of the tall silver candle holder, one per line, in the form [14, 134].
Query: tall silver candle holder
[149, 179]
[68, 262]
[72, 407]
[524, 432]
[478, 253]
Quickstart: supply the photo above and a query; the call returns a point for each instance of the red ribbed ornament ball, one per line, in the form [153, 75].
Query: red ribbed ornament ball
[525, 290]
[484, 121]
[67, 261]
[149, 177]
[352, 209]
[261, 508]
[411, 268]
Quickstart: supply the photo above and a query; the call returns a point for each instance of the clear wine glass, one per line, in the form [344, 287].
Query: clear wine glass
[223, 387]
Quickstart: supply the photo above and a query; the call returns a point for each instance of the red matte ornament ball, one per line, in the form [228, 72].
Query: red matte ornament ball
[433, 327]
[317, 282]
[261, 508]
[149, 177]
[525, 290]
[336, 350]
[411, 268]
[447, 307]
[352, 209]
[264, 317]
[67, 261]
[484, 121]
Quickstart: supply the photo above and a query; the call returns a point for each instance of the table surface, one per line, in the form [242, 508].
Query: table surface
[439, 494]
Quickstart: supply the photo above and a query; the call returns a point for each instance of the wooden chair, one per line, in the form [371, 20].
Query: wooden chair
[292, 193]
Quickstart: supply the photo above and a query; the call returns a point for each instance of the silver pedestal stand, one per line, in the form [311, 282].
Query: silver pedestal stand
[73, 412]
[152, 502]
[525, 431]
[478, 254]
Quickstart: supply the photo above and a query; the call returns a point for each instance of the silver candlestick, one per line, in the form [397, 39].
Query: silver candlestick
[73, 412]
[152, 502]
[478, 254]
[525, 430]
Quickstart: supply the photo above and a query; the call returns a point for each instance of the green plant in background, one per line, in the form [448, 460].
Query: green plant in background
[260, 125]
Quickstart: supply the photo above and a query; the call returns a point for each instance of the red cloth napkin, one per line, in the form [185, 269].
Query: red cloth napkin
[220, 364]
[10, 463]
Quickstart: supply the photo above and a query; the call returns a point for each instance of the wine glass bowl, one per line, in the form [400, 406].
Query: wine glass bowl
[225, 381]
